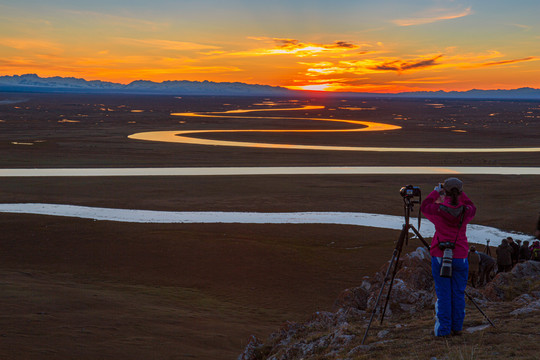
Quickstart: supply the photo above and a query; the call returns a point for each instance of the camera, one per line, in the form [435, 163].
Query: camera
[448, 254]
[410, 191]
[447, 245]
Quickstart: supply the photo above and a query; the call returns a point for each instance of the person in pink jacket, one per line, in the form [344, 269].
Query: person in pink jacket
[450, 210]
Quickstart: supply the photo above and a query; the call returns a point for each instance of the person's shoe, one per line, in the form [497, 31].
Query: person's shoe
[457, 332]
[442, 336]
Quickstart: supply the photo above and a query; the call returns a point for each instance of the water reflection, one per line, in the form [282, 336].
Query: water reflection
[179, 136]
[68, 121]
[279, 170]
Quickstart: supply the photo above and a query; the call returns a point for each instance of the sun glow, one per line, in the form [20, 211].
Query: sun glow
[228, 45]
[319, 87]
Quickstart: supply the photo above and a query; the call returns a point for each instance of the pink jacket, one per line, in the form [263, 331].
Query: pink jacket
[446, 219]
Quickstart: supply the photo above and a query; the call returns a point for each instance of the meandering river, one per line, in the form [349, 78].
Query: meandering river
[181, 136]
[293, 170]
[477, 233]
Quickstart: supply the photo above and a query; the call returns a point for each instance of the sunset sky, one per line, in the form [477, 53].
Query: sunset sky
[343, 45]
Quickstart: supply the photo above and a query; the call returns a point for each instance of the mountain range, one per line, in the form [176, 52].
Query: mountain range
[34, 83]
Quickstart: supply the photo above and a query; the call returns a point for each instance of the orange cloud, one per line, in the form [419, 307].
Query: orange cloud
[297, 48]
[355, 87]
[434, 16]
[427, 80]
[116, 20]
[167, 44]
[503, 62]
[367, 66]
[293, 44]
[29, 44]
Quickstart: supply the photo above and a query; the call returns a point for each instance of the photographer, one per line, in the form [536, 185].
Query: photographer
[537, 232]
[450, 210]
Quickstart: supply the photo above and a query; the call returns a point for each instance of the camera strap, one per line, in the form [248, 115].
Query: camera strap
[460, 221]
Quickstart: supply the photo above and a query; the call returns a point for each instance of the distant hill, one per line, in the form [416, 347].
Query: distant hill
[525, 93]
[521, 93]
[34, 83]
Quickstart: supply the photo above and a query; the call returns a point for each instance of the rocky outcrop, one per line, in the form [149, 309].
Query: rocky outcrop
[523, 279]
[335, 335]
[328, 333]
[412, 290]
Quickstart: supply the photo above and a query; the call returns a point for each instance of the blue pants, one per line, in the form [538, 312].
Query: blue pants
[450, 305]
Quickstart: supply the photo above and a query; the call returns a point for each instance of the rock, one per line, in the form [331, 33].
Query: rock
[524, 277]
[473, 329]
[359, 350]
[534, 306]
[349, 315]
[477, 295]
[285, 333]
[252, 350]
[524, 299]
[526, 269]
[412, 290]
[413, 287]
[353, 298]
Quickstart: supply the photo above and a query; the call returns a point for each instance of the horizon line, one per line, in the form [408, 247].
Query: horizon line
[285, 88]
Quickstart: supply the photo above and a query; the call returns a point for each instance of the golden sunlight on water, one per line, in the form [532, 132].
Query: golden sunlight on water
[283, 170]
[179, 136]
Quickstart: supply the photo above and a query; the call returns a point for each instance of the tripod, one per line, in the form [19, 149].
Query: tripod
[487, 250]
[393, 266]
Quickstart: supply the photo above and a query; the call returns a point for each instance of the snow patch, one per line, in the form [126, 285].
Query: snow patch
[475, 233]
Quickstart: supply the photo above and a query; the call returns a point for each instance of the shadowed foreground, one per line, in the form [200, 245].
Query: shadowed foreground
[83, 289]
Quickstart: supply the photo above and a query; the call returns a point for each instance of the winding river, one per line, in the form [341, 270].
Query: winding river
[181, 136]
[477, 233]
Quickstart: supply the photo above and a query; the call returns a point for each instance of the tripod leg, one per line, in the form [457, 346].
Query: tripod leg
[394, 255]
[417, 233]
[478, 307]
[383, 311]
[404, 236]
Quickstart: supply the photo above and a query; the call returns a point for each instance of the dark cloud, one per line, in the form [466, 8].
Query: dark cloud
[404, 65]
[420, 64]
[288, 43]
[294, 44]
[388, 66]
[341, 44]
[504, 62]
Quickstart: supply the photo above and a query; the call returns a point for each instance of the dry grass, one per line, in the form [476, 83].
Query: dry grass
[515, 337]
[125, 291]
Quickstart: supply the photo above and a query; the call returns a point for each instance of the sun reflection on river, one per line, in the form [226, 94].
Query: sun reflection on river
[180, 136]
